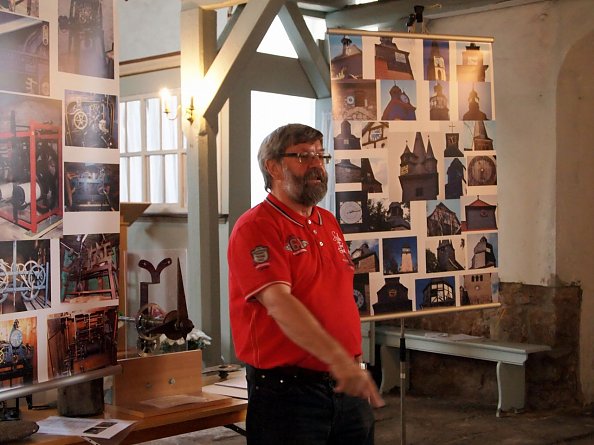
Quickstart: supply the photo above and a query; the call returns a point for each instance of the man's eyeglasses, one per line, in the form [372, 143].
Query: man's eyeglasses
[307, 157]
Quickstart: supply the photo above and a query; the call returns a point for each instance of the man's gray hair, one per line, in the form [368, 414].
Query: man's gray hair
[274, 145]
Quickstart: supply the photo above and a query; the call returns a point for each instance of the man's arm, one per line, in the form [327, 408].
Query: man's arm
[298, 323]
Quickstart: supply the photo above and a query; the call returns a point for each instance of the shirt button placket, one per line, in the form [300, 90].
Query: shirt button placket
[315, 232]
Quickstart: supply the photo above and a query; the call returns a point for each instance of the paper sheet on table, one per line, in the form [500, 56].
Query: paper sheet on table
[73, 426]
[229, 391]
[461, 337]
[452, 337]
[235, 382]
[175, 400]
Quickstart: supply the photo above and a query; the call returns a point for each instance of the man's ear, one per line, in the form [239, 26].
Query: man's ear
[274, 168]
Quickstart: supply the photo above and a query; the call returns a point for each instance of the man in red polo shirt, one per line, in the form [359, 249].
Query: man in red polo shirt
[293, 316]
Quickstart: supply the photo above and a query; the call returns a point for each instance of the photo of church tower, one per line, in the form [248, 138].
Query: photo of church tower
[436, 59]
[454, 187]
[443, 220]
[446, 256]
[374, 135]
[472, 68]
[391, 62]
[406, 265]
[364, 254]
[368, 181]
[354, 100]
[480, 215]
[474, 112]
[347, 172]
[346, 140]
[396, 218]
[442, 256]
[418, 172]
[438, 104]
[480, 139]
[349, 63]
[452, 149]
[483, 251]
[435, 292]
[477, 289]
[400, 105]
[400, 255]
[392, 297]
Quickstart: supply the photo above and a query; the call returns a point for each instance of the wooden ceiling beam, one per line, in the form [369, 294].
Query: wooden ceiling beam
[242, 42]
[310, 57]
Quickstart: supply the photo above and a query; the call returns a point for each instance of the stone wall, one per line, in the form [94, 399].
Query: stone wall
[528, 313]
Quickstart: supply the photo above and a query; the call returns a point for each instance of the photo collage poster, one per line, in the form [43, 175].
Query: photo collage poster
[59, 189]
[416, 169]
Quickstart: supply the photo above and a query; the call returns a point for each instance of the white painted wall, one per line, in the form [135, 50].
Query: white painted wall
[530, 44]
[148, 27]
[545, 182]
[575, 190]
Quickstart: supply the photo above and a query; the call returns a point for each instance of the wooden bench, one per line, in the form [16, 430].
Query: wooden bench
[510, 359]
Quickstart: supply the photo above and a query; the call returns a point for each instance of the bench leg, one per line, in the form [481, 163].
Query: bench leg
[390, 360]
[511, 381]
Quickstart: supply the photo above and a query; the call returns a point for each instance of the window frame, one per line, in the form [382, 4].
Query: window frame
[181, 206]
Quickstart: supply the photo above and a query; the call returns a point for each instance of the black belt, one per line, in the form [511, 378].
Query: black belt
[294, 373]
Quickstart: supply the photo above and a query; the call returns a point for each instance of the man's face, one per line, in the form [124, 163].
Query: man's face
[305, 180]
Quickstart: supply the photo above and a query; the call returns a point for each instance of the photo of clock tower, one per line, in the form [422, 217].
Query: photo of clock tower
[348, 64]
[346, 140]
[399, 107]
[436, 69]
[392, 297]
[480, 139]
[418, 172]
[438, 105]
[391, 62]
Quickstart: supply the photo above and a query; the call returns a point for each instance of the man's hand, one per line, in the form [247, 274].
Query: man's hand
[297, 322]
[351, 379]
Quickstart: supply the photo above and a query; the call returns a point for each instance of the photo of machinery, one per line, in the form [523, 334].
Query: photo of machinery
[24, 51]
[89, 267]
[91, 187]
[24, 275]
[28, 7]
[85, 42]
[18, 346]
[91, 120]
[30, 164]
[81, 341]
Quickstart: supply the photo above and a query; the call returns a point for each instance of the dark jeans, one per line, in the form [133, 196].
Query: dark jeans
[293, 406]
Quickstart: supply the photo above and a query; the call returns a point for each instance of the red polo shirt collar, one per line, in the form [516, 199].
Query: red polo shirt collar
[291, 215]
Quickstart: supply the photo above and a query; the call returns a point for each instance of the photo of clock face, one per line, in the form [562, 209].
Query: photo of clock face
[351, 212]
[482, 170]
[16, 338]
[359, 299]
[376, 134]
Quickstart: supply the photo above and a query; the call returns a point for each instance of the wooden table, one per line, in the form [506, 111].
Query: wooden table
[154, 427]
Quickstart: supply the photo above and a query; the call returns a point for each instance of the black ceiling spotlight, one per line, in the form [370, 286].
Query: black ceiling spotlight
[416, 17]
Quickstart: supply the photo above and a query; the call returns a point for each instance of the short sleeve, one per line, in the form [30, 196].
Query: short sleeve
[256, 257]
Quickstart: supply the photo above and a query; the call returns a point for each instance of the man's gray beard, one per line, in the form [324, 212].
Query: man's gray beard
[304, 193]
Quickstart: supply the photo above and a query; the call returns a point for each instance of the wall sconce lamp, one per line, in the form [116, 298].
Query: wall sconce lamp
[172, 115]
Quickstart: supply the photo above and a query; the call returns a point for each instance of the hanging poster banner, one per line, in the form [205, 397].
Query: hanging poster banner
[59, 190]
[416, 169]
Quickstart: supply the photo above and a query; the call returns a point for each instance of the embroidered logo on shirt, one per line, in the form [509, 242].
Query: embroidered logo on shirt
[346, 256]
[260, 256]
[296, 245]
